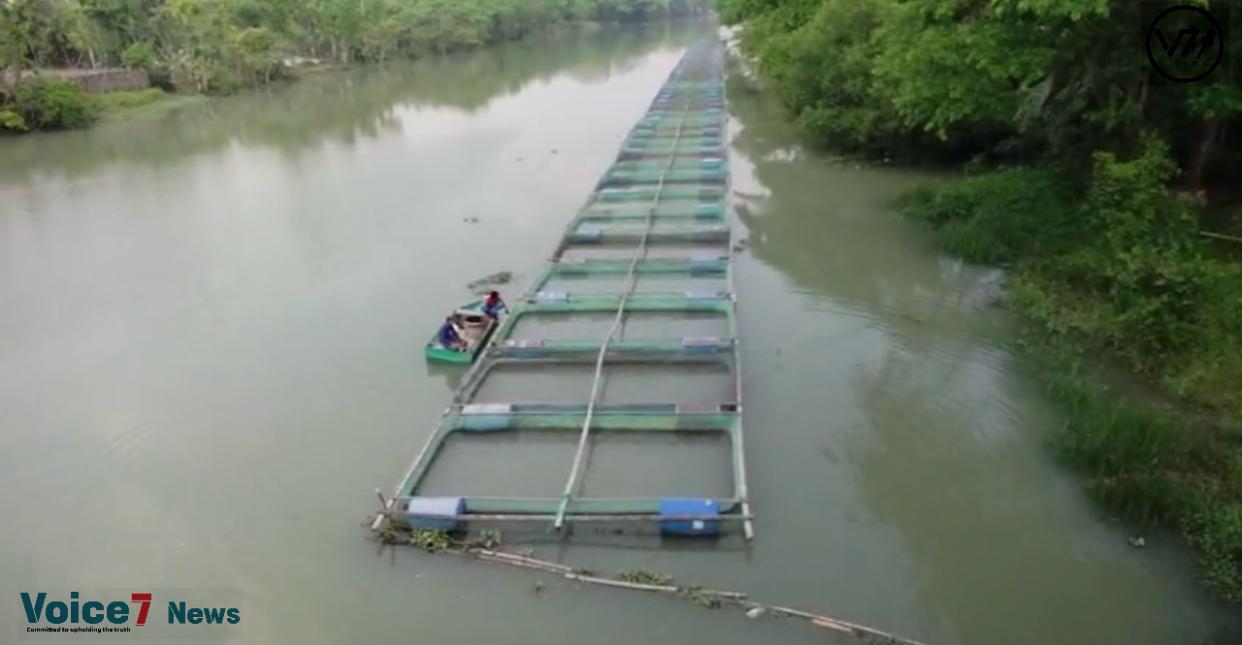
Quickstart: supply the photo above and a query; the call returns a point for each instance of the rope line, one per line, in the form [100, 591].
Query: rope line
[631, 281]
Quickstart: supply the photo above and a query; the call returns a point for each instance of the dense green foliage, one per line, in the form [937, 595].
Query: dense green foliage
[998, 78]
[219, 45]
[44, 104]
[1112, 258]
[1092, 180]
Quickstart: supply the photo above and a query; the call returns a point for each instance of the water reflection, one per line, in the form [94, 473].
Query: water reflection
[338, 106]
[837, 238]
[935, 427]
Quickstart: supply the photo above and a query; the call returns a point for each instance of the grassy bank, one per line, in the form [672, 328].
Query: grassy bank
[1114, 262]
[1149, 462]
[223, 46]
[120, 106]
[55, 104]
[115, 101]
[1094, 185]
[1166, 449]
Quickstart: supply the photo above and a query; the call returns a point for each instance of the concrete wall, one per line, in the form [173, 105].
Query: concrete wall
[97, 80]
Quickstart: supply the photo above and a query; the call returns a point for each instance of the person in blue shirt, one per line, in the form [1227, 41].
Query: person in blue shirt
[493, 305]
[449, 337]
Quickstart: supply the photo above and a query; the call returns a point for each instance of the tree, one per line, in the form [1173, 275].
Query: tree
[255, 51]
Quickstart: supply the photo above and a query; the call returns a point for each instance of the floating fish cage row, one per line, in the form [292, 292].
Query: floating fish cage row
[630, 329]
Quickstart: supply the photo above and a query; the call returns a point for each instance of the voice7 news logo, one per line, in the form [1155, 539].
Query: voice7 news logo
[110, 613]
[1185, 43]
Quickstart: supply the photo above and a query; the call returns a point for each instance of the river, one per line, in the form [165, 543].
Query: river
[210, 356]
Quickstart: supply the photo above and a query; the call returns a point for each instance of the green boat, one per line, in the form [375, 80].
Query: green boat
[474, 327]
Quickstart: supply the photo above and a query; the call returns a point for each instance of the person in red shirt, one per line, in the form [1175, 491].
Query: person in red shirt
[493, 305]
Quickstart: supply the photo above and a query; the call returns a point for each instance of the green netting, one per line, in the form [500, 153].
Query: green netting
[661, 229]
[637, 302]
[474, 419]
[669, 214]
[659, 166]
[570, 251]
[669, 145]
[668, 187]
[705, 176]
[650, 350]
[675, 119]
[660, 234]
[514, 419]
[649, 193]
[715, 265]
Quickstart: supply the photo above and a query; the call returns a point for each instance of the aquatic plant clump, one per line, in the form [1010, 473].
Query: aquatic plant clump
[644, 577]
[486, 539]
[429, 540]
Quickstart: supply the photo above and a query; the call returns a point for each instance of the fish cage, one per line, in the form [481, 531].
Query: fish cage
[625, 341]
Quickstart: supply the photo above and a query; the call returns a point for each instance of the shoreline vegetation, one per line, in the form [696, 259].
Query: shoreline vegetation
[1111, 198]
[211, 47]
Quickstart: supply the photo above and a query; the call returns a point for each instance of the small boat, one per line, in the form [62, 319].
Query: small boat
[474, 327]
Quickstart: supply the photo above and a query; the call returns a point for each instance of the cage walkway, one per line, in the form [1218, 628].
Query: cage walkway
[648, 251]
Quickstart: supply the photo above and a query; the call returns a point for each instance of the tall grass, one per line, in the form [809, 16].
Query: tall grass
[1150, 464]
[997, 217]
[1111, 266]
[129, 98]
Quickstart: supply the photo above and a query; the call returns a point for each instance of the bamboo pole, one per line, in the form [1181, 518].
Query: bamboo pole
[736, 598]
[739, 441]
[639, 586]
[575, 517]
[631, 281]
[1220, 236]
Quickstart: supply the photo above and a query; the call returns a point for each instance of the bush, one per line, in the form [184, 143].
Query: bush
[1000, 216]
[46, 104]
[1149, 465]
[198, 73]
[12, 121]
[1115, 259]
[140, 55]
[833, 96]
[1139, 255]
[129, 98]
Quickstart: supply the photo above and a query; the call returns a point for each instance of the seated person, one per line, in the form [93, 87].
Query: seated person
[449, 337]
[493, 305]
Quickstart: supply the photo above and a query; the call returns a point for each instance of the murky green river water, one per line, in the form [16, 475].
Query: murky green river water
[210, 355]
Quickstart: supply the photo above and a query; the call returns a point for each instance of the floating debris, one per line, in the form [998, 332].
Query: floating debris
[481, 285]
[644, 577]
[633, 579]
[486, 540]
[703, 599]
[1138, 542]
[428, 540]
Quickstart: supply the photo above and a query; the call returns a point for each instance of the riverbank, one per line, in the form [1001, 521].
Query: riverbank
[224, 47]
[1155, 462]
[1146, 364]
[115, 106]
[225, 288]
[1096, 208]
